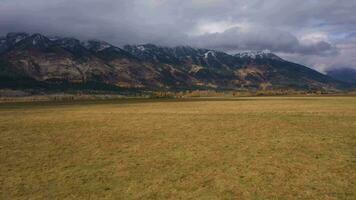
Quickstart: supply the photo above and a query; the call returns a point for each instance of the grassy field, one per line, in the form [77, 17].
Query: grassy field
[243, 148]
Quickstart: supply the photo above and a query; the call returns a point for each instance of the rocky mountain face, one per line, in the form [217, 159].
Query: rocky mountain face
[40, 61]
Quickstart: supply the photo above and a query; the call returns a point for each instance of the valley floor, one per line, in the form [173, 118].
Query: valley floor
[238, 148]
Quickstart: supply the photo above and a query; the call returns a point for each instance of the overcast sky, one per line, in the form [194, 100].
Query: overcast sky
[318, 33]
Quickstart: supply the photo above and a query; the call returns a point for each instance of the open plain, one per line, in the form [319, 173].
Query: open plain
[232, 148]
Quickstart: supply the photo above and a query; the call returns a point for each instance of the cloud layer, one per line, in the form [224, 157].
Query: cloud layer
[318, 33]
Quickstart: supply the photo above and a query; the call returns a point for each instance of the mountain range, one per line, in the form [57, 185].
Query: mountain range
[37, 61]
[343, 74]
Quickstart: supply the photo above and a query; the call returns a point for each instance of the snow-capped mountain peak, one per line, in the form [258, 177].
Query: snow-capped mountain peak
[209, 53]
[141, 48]
[153, 66]
[39, 39]
[257, 55]
[68, 43]
[14, 38]
[96, 45]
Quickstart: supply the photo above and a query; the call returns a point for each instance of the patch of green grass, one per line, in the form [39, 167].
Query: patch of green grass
[244, 148]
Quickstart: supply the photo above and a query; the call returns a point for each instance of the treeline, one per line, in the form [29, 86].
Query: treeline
[19, 95]
[213, 93]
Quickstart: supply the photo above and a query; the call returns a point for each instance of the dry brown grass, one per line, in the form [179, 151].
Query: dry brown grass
[245, 148]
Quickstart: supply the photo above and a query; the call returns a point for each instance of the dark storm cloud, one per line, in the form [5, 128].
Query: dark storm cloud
[261, 39]
[308, 31]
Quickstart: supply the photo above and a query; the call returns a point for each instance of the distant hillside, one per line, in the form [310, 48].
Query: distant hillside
[37, 61]
[343, 74]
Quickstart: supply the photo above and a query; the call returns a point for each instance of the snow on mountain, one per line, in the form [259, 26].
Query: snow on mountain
[40, 39]
[54, 38]
[154, 66]
[257, 55]
[14, 38]
[141, 48]
[68, 43]
[96, 45]
[207, 54]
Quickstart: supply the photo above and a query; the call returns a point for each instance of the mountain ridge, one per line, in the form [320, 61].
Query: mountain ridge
[60, 60]
[343, 74]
